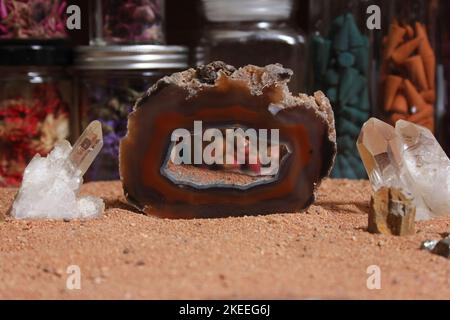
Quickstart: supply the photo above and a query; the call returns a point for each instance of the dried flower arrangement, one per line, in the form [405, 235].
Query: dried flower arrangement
[110, 105]
[32, 19]
[30, 126]
[132, 21]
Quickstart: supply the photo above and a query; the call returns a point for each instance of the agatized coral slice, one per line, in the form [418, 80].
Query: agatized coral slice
[222, 97]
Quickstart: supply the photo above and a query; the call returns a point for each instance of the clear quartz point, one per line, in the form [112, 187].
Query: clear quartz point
[379, 148]
[86, 148]
[427, 166]
[407, 157]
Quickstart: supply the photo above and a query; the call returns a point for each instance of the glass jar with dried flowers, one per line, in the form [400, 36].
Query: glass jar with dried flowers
[33, 19]
[127, 22]
[35, 97]
[109, 81]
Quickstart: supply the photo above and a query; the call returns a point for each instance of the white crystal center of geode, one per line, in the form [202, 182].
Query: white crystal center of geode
[50, 189]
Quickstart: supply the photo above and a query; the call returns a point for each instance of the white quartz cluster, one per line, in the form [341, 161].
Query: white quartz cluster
[50, 189]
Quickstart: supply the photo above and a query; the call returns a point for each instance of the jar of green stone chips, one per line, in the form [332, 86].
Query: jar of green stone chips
[241, 32]
[340, 66]
[109, 80]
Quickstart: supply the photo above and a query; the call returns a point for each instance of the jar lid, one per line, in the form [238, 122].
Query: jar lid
[35, 53]
[131, 57]
[247, 10]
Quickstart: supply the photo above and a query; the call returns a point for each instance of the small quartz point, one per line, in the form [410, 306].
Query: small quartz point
[51, 184]
[407, 158]
[87, 147]
[426, 165]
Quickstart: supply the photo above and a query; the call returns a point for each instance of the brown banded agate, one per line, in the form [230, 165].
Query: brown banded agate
[222, 97]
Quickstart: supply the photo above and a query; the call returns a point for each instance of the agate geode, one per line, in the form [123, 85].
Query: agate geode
[223, 97]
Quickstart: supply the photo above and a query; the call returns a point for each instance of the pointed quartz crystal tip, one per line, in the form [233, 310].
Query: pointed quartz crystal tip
[427, 165]
[378, 146]
[407, 157]
[87, 147]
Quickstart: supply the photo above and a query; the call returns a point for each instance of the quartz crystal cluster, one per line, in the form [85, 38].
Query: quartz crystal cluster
[408, 158]
[50, 184]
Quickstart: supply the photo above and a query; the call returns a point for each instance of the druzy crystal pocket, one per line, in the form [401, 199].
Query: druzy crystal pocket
[281, 145]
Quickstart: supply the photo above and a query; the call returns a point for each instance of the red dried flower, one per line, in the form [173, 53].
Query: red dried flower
[27, 127]
[38, 19]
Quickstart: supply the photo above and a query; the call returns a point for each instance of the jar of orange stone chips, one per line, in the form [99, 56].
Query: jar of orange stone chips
[408, 64]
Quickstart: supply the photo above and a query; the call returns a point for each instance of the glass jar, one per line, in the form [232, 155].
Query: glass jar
[241, 32]
[340, 67]
[444, 46]
[35, 100]
[126, 22]
[32, 19]
[408, 84]
[109, 81]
